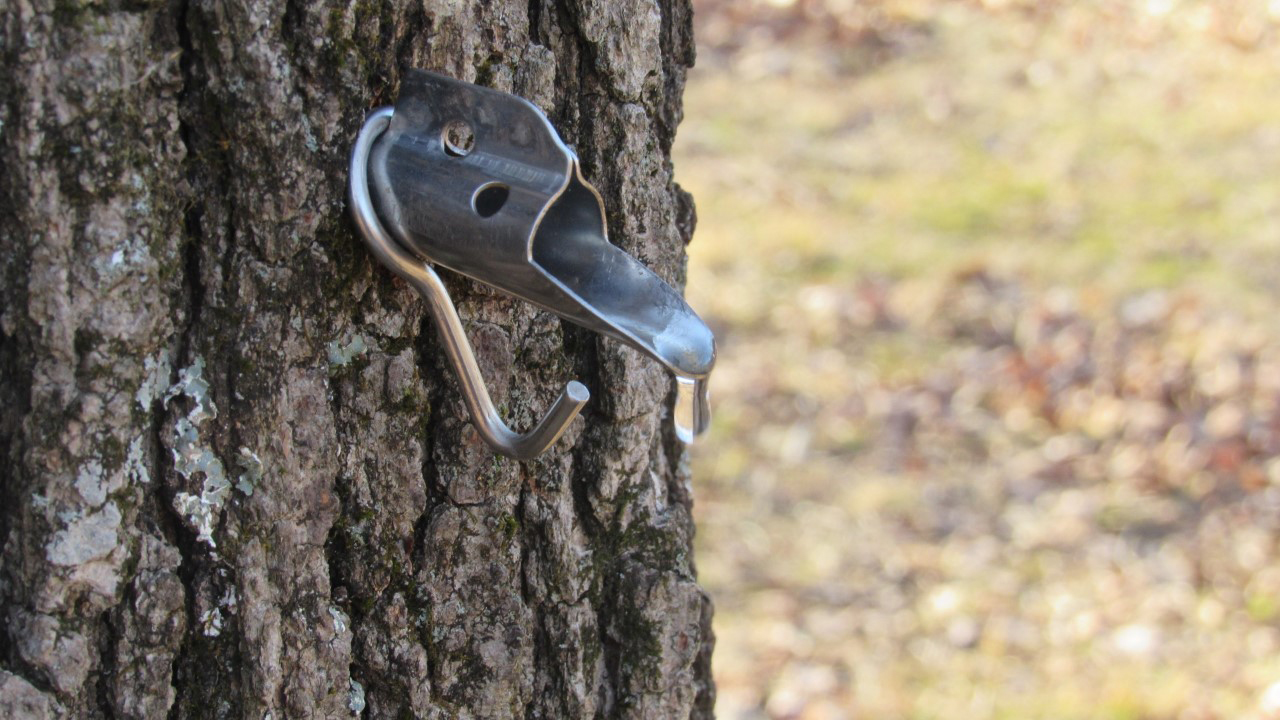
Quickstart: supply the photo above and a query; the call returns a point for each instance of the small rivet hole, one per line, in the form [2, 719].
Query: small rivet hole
[458, 138]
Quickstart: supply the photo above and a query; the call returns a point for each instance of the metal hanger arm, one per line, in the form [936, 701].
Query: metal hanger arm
[425, 280]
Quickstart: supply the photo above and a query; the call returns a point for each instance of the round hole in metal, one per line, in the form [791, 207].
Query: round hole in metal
[489, 199]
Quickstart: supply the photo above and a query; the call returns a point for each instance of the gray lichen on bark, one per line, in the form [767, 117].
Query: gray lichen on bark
[311, 527]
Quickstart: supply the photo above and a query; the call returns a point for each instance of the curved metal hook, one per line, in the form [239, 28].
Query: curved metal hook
[425, 280]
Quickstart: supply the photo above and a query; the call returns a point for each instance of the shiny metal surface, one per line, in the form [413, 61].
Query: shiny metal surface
[544, 240]
[483, 413]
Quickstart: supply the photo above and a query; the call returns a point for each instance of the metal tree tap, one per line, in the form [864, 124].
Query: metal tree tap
[479, 181]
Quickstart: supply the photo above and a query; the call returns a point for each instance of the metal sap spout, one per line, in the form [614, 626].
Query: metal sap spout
[609, 291]
[479, 181]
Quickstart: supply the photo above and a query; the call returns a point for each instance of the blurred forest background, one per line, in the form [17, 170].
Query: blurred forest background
[998, 403]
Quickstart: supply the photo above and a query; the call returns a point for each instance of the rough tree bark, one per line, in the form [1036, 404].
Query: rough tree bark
[238, 479]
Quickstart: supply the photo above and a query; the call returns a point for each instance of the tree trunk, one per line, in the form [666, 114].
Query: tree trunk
[238, 477]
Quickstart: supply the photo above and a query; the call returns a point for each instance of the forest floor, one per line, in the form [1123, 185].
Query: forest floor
[998, 399]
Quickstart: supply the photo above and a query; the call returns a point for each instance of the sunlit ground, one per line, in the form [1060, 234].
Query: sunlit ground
[998, 398]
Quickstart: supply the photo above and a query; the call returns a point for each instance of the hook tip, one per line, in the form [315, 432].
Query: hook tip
[577, 392]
